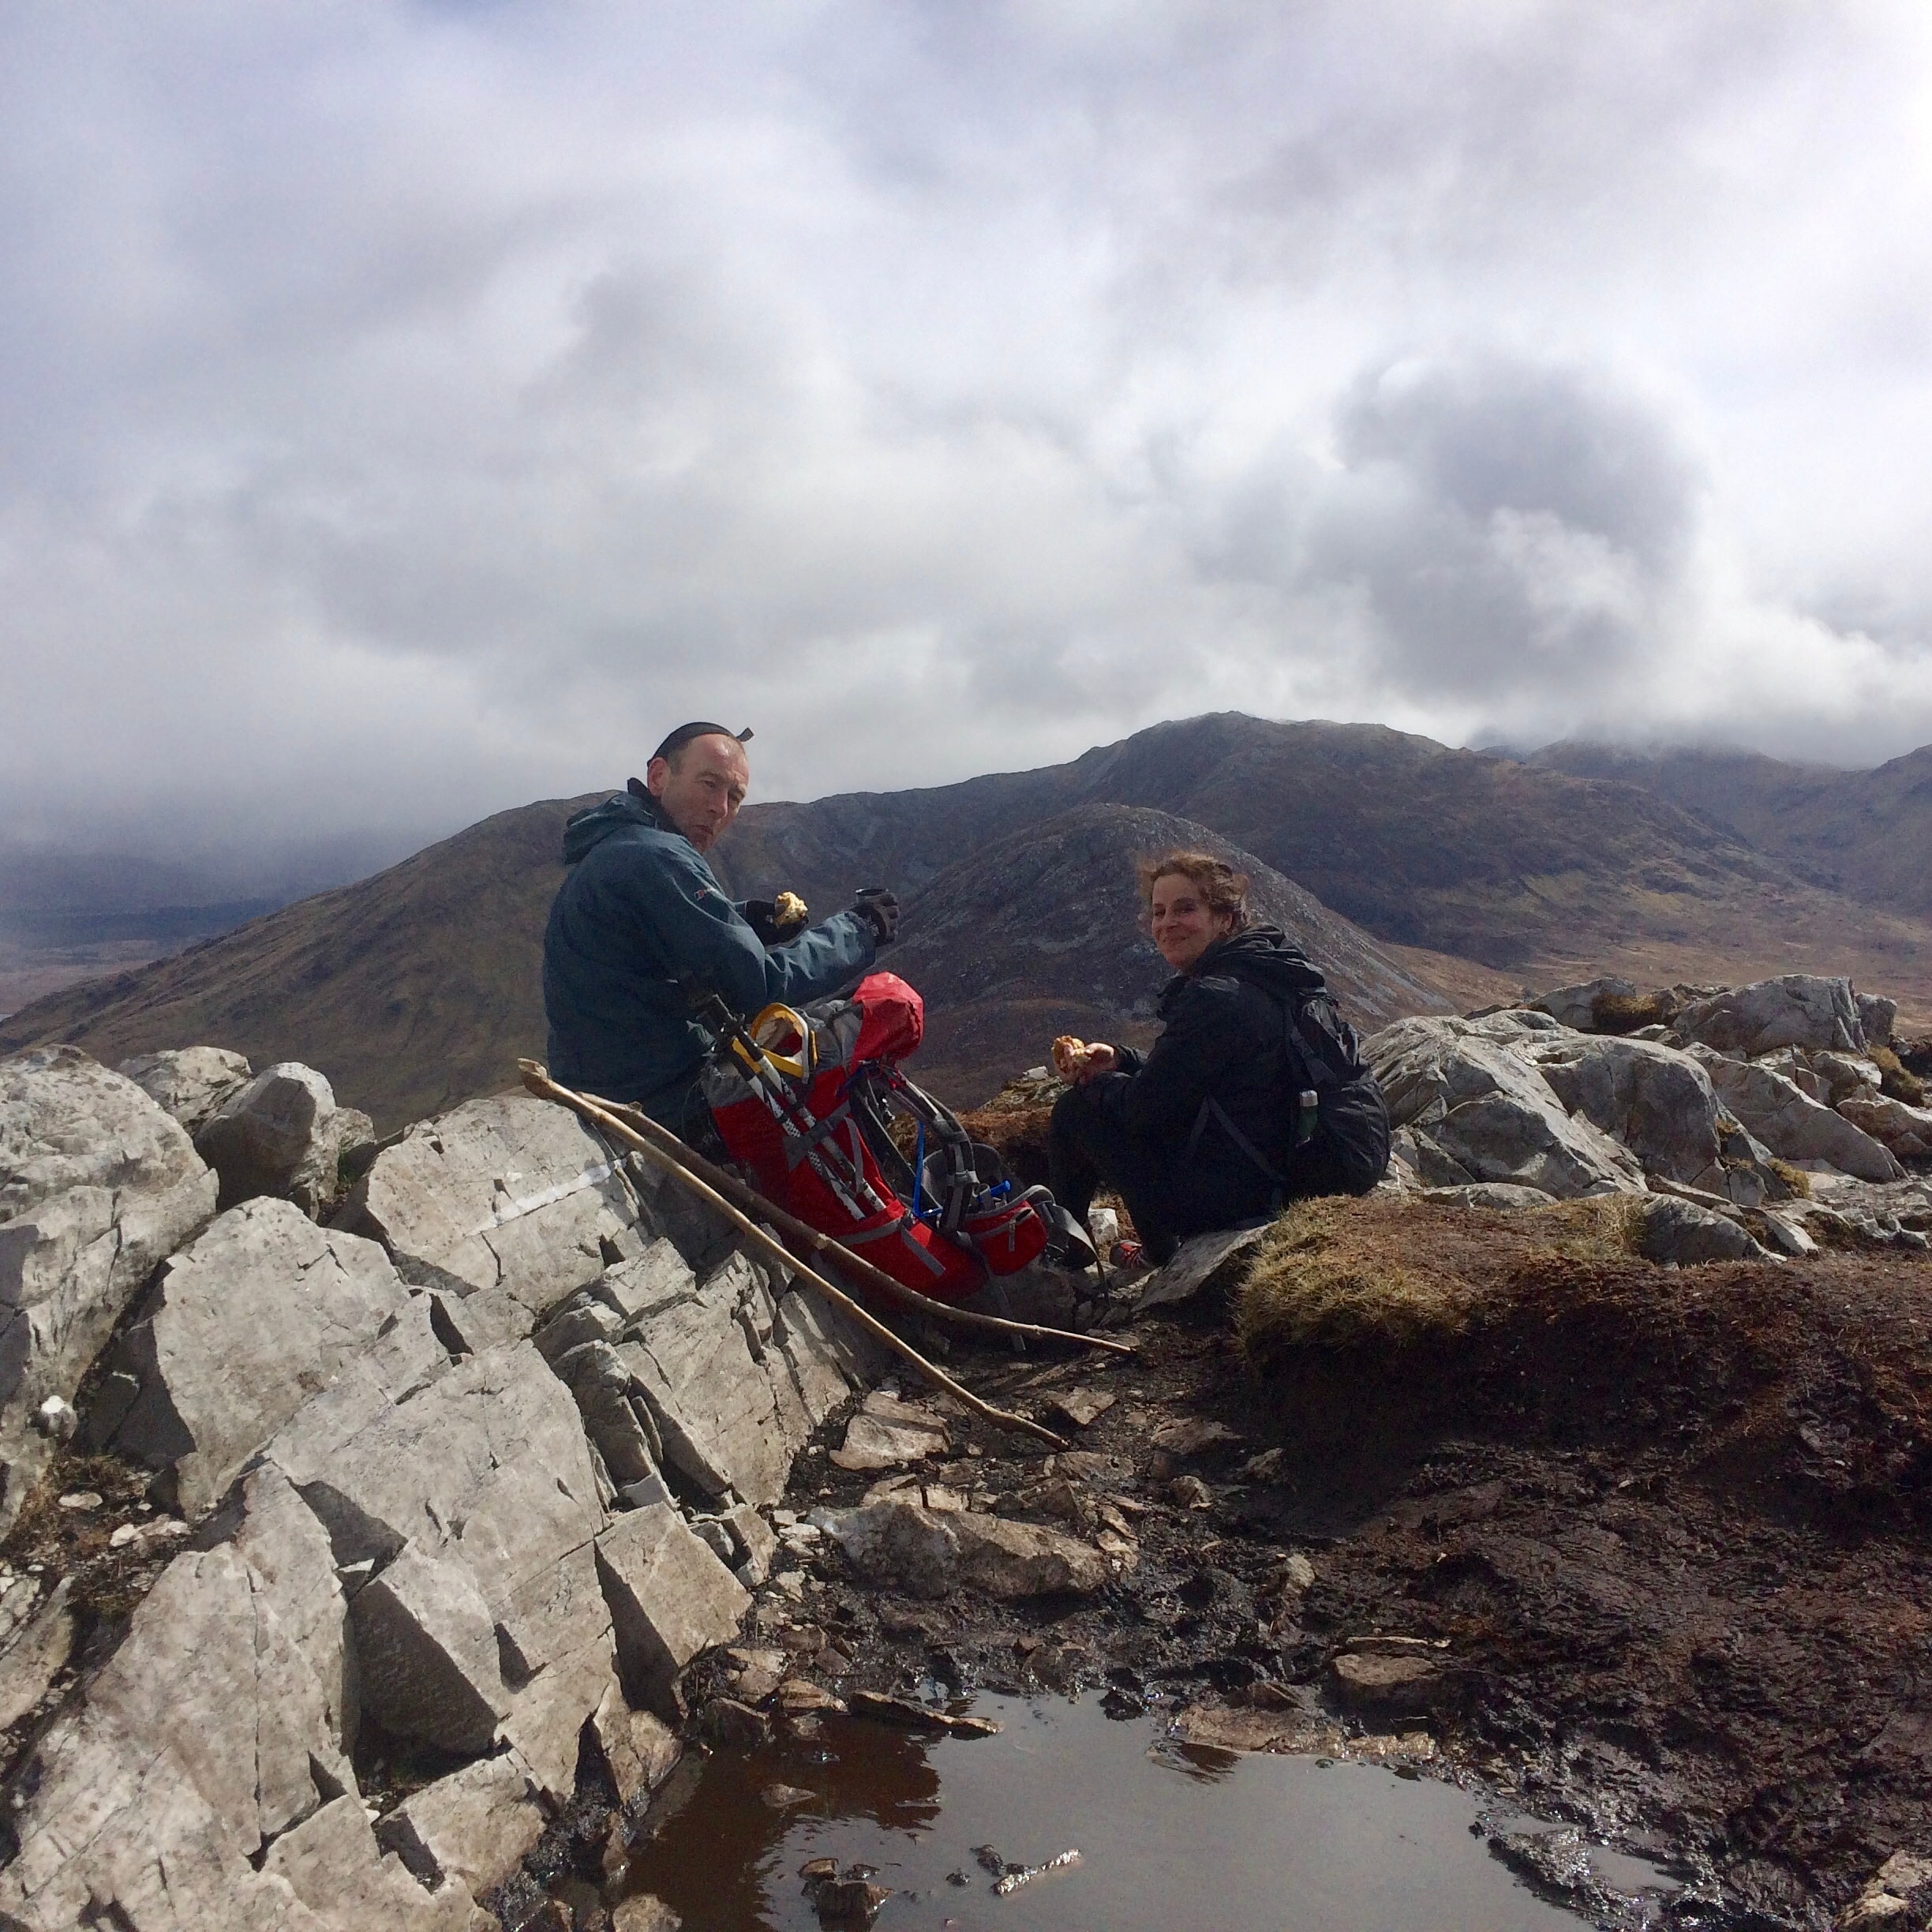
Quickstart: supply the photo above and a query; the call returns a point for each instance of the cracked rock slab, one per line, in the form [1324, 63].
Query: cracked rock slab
[474, 1826]
[333, 1865]
[97, 1184]
[669, 1596]
[929, 1553]
[509, 1193]
[261, 1311]
[204, 1736]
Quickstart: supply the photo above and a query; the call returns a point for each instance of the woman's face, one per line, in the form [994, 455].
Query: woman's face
[1184, 927]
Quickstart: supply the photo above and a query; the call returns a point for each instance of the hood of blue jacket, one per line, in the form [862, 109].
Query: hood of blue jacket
[584, 831]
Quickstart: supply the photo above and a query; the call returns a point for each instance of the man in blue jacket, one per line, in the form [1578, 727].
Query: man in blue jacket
[640, 910]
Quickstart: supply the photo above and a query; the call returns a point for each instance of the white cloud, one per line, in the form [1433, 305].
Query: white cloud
[413, 409]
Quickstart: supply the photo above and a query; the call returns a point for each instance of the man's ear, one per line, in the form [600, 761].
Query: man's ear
[655, 773]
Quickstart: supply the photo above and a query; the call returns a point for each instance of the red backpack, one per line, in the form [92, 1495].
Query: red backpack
[805, 1098]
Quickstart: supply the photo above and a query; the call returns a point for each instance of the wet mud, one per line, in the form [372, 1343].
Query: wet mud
[1646, 1560]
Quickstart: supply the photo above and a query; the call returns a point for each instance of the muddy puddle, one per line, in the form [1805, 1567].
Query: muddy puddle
[1167, 1835]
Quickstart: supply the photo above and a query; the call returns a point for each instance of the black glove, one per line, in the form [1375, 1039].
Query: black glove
[762, 916]
[875, 904]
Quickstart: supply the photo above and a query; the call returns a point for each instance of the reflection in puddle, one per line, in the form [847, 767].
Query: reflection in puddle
[1169, 1836]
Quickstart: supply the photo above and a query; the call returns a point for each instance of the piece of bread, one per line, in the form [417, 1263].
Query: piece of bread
[788, 909]
[1070, 1057]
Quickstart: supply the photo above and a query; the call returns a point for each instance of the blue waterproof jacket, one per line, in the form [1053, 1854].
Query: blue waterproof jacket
[639, 909]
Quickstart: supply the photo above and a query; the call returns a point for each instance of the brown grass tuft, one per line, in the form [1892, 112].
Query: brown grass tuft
[1795, 1178]
[1344, 1274]
[1896, 1080]
[1624, 1013]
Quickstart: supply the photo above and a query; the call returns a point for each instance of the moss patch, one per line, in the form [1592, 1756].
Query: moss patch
[1346, 1274]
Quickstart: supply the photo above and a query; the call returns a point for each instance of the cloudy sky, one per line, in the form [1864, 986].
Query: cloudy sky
[410, 409]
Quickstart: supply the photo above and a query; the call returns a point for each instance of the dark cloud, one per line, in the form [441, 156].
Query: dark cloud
[412, 408]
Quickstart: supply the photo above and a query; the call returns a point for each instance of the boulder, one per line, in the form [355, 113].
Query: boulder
[1670, 1229]
[261, 1311]
[191, 1083]
[1878, 1016]
[97, 1184]
[1793, 1065]
[1799, 1010]
[278, 1135]
[1486, 1113]
[425, 1648]
[473, 1826]
[1845, 1076]
[202, 1738]
[1502, 1194]
[510, 1198]
[670, 1597]
[931, 1552]
[1575, 1006]
[639, 1750]
[1906, 1132]
[1653, 1100]
[1791, 1124]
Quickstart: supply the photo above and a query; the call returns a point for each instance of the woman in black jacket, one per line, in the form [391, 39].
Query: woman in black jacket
[1199, 1132]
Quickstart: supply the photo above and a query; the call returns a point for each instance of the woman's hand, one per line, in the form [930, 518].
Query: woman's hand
[1100, 1058]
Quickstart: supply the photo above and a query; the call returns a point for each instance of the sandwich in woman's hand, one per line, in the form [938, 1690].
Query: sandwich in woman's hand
[1070, 1057]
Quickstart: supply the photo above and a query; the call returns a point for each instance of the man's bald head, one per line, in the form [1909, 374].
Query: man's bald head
[701, 783]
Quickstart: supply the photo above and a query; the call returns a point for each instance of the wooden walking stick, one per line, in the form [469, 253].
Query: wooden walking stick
[537, 1079]
[754, 1202]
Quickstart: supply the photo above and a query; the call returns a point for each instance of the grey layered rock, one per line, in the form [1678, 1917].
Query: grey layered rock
[1906, 1132]
[473, 1826]
[333, 1865]
[34, 1652]
[1794, 1126]
[1682, 1232]
[509, 1194]
[288, 1555]
[733, 1380]
[670, 1597]
[203, 1737]
[1876, 1016]
[617, 1420]
[1794, 1066]
[97, 1184]
[484, 1470]
[426, 1647]
[278, 1135]
[1467, 1087]
[1656, 1102]
[1503, 1194]
[259, 1312]
[1799, 1009]
[929, 1552]
[191, 1083]
[1845, 1076]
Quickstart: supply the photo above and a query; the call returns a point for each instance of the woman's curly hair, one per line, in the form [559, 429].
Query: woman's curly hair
[1222, 889]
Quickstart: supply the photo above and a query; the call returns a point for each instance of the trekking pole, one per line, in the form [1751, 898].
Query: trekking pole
[748, 1198]
[536, 1078]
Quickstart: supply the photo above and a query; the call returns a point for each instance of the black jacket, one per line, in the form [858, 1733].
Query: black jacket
[1223, 1041]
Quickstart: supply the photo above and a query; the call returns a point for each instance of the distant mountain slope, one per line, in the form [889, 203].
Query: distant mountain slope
[1524, 868]
[412, 990]
[1867, 834]
[1039, 934]
[420, 986]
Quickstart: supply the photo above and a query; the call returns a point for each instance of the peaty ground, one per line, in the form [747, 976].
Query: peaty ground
[1651, 1549]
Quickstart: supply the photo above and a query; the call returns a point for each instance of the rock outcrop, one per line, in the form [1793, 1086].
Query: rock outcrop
[413, 1522]
[191, 1083]
[282, 1134]
[97, 1186]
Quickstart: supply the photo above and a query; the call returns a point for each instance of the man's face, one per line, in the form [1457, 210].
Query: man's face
[701, 786]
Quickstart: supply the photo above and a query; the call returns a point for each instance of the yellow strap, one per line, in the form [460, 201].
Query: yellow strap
[772, 1024]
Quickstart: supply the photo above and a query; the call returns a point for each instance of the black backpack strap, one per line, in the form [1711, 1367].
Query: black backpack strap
[1211, 1109]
